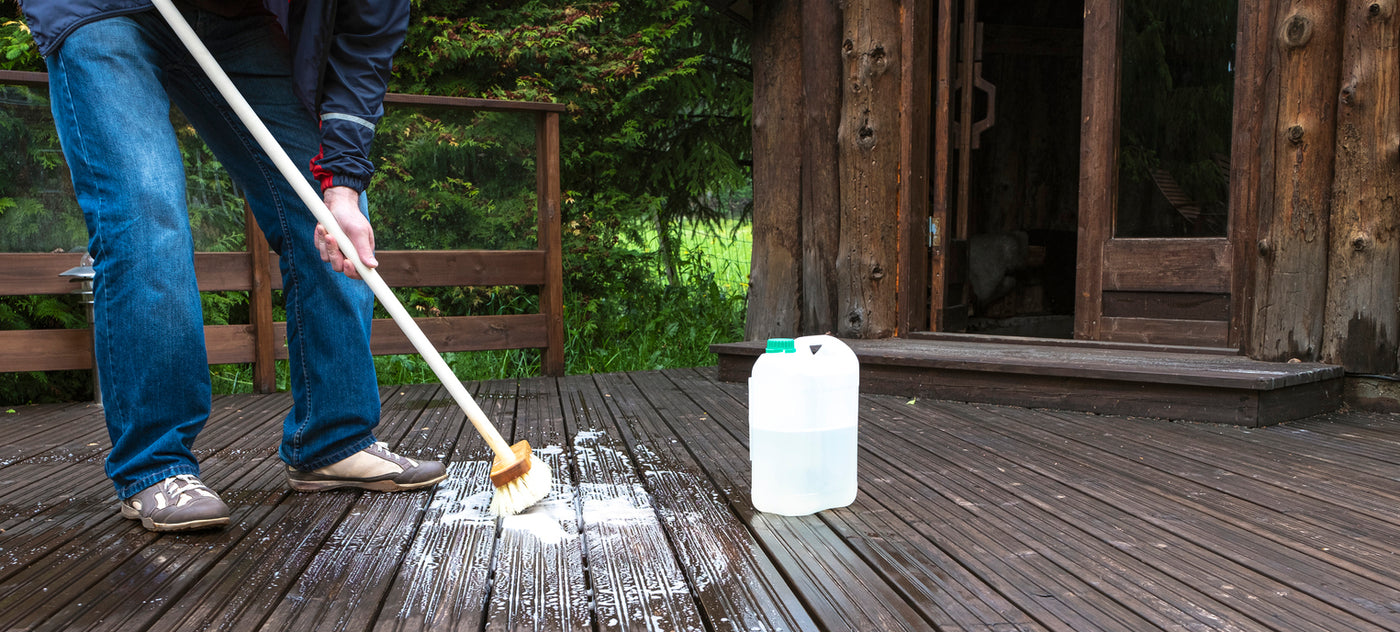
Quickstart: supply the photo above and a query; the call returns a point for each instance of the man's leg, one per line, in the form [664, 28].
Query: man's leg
[334, 387]
[112, 116]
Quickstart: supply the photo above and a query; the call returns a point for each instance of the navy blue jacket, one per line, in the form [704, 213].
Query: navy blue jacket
[342, 51]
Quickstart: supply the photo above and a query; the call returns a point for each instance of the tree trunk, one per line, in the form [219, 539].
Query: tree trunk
[867, 258]
[821, 188]
[1292, 273]
[776, 273]
[1360, 331]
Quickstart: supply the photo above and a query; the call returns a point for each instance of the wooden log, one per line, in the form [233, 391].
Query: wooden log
[1098, 160]
[1363, 267]
[941, 213]
[821, 186]
[915, 105]
[867, 260]
[1252, 156]
[1290, 286]
[776, 266]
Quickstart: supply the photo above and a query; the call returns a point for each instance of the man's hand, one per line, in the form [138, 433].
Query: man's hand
[344, 204]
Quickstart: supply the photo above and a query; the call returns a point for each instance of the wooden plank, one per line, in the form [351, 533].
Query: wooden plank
[637, 583]
[1251, 171]
[41, 80]
[1240, 570]
[445, 576]
[46, 349]
[1168, 305]
[540, 580]
[988, 515]
[1098, 161]
[838, 589]
[1250, 505]
[1291, 275]
[37, 273]
[915, 126]
[774, 301]
[484, 105]
[821, 185]
[734, 582]
[550, 236]
[343, 584]
[1165, 331]
[941, 213]
[86, 568]
[1167, 265]
[1362, 322]
[68, 349]
[948, 596]
[25, 78]
[868, 144]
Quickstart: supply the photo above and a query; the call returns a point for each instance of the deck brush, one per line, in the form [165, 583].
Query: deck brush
[520, 479]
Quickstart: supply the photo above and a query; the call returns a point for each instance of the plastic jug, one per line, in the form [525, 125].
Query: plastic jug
[803, 405]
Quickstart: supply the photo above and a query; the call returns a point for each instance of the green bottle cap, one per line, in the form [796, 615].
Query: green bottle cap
[781, 345]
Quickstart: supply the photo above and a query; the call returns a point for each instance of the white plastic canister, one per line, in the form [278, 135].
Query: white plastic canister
[803, 408]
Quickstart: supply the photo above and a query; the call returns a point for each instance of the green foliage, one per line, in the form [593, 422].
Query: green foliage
[17, 49]
[658, 95]
[655, 137]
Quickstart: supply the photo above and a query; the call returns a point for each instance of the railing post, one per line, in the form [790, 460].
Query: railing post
[260, 306]
[550, 239]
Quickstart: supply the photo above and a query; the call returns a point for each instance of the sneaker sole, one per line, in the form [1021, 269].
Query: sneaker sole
[375, 486]
[191, 525]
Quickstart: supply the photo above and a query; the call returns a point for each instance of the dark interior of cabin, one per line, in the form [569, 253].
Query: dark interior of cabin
[1014, 178]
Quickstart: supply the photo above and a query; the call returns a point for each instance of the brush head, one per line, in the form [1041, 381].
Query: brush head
[508, 468]
[526, 490]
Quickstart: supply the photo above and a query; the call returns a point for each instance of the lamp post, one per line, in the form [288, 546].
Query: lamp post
[83, 275]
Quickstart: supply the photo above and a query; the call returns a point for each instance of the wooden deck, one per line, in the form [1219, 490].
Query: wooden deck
[970, 517]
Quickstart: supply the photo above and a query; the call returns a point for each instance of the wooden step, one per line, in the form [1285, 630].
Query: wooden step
[1139, 380]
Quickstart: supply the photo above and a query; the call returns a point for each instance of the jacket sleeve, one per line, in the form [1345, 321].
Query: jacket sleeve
[363, 39]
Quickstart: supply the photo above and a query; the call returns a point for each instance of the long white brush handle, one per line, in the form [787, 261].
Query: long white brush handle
[323, 215]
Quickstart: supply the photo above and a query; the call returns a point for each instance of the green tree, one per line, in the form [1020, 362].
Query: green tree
[659, 99]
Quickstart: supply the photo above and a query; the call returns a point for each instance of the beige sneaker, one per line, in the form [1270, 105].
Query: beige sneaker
[374, 468]
[178, 503]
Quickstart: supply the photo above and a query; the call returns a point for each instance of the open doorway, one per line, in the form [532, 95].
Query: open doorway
[1014, 147]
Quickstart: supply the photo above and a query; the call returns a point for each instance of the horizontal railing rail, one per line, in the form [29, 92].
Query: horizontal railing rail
[252, 271]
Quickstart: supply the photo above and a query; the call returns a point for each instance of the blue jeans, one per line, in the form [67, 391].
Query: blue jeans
[111, 86]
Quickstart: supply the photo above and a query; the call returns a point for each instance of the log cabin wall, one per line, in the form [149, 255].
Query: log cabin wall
[1327, 272]
[841, 123]
[830, 90]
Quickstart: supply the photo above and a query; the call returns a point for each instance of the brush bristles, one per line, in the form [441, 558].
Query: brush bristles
[526, 490]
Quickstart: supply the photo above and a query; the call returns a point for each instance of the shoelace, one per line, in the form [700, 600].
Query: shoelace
[181, 488]
[389, 456]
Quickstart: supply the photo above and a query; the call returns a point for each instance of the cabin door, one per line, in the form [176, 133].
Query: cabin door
[1155, 257]
[1005, 175]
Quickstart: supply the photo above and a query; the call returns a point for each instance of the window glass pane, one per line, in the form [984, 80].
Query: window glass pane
[1176, 102]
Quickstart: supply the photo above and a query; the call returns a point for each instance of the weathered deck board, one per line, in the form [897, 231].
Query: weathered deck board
[970, 517]
[540, 581]
[737, 588]
[637, 582]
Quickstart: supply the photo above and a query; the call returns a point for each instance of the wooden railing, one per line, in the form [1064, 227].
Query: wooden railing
[261, 341]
